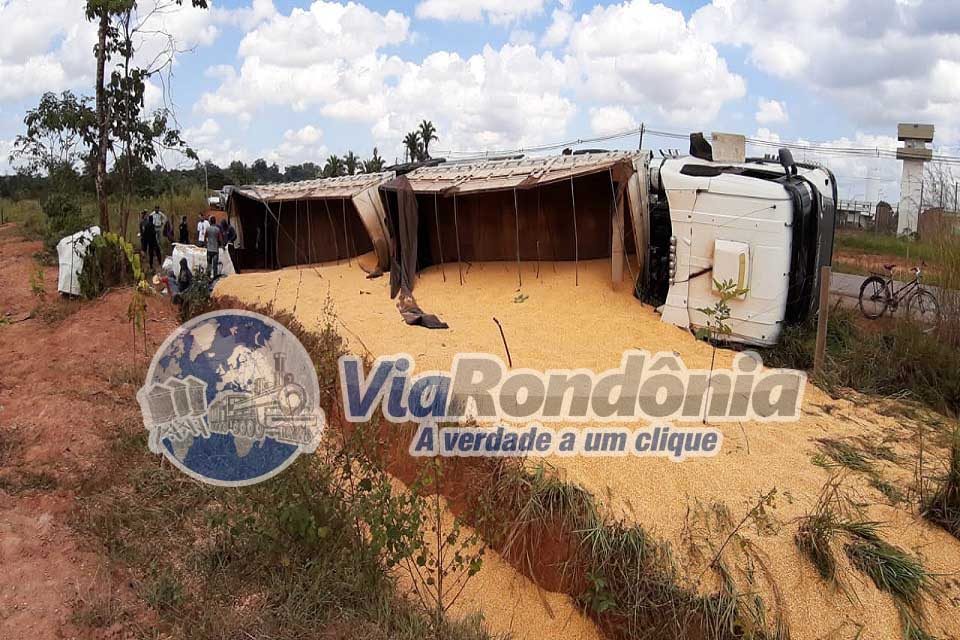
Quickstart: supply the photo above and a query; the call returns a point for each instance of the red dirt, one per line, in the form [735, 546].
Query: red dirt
[57, 407]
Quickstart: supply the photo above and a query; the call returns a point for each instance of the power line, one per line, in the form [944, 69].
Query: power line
[813, 148]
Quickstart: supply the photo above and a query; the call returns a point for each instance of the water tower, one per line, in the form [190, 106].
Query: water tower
[915, 154]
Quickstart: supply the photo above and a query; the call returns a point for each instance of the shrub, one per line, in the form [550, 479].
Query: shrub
[109, 262]
[64, 217]
[197, 300]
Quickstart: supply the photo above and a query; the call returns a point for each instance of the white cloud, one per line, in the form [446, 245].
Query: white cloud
[898, 61]
[325, 55]
[561, 24]
[45, 50]
[52, 49]
[645, 55]
[247, 18]
[496, 11]
[304, 145]
[611, 119]
[771, 112]
[211, 143]
[6, 146]
[493, 100]
[499, 97]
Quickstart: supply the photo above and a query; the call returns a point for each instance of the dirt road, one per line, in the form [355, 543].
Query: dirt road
[59, 380]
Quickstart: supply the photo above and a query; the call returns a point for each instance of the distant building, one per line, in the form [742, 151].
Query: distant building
[855, 214]
[885, 220]
[937, 222]
[915, 154]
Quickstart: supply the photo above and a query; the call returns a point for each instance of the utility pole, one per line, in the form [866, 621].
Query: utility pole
[642, 129]
[820, 353]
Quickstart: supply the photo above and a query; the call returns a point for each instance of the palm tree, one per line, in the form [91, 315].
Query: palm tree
[428, 133]
[374, 164]
[412, 144]
[334, 167]
[351, 162]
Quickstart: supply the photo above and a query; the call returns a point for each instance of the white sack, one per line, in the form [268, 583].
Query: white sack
[71, 251]
[197, 257]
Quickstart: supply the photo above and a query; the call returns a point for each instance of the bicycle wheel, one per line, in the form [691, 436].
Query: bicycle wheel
[874, 297]
[924, 310]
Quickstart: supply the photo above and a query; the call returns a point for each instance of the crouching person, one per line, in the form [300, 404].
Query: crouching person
[183, 282]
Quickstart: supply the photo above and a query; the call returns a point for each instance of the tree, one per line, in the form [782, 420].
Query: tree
[264, 173]
[114, 31]
[428, 133]
[375, 164]
[334, 167]
[58, 129]
[351, 162]
[413, 146]
[239, 173]
[298, 172]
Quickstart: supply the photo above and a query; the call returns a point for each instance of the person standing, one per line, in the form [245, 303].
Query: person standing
[159, 219]
[144, 220]
[184, 231]
[148, 238]
[202, 227]
[214, 242]
[230, 240]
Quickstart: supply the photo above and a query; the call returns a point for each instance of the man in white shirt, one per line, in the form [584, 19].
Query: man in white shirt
[159, 218]
[202, 227]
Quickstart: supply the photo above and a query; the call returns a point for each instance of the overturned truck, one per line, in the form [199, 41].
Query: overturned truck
[675, 225]
[311, 222]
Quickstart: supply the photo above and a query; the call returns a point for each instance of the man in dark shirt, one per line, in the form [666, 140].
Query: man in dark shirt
[148, 239]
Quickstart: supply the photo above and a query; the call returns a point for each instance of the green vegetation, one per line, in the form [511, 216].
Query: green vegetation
[621, 575]
[309, 554]
[887, 245]
[943, 507]
[888, 359]
[841, 453]
[110, 262]
[836, 520]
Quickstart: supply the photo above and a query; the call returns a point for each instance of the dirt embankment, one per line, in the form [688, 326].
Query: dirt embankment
[58, 404]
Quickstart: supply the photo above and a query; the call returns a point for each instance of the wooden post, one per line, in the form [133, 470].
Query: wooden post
[822, 321]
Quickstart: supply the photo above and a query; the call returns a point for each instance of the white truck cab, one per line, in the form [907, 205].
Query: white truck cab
[765, 224]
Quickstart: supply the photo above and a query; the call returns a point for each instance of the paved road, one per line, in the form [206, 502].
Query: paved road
[845, 287]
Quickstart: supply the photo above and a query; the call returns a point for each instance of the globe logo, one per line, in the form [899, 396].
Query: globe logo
[232, 399]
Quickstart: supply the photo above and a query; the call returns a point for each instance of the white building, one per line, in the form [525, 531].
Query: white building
[915, 154]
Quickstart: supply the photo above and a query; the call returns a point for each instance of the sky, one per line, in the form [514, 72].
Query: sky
[294, 80]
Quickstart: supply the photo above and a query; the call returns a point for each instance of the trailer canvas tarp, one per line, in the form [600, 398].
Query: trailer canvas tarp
[314, 221]
[560, 208]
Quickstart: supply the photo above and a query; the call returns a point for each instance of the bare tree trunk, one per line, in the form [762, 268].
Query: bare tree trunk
[102, 122]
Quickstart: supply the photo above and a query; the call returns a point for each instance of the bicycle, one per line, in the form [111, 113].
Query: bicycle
[877, 296]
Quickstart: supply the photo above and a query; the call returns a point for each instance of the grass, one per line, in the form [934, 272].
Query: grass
[943, 507]
[893, 493]
[32, 221]
[303, 556]
[617, 572]
[19, 481]
[842, 453]
[892, 359]
[56, 310]
[836, 521]
[887, 245]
